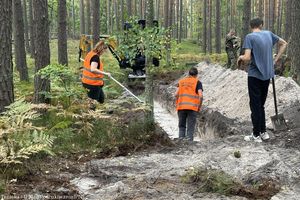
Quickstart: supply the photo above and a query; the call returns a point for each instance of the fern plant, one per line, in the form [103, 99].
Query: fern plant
[19, 138]
[63, 83]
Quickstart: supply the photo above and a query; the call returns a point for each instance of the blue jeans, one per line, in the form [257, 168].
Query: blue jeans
[187, 122]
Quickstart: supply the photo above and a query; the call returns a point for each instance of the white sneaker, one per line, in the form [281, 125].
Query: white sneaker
[264, 136]
[252, 138]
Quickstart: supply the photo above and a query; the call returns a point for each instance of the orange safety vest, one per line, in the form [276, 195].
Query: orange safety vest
[89, 77]
[188, 99]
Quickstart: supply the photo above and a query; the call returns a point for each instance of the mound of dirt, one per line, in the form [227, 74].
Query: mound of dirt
[226, 91]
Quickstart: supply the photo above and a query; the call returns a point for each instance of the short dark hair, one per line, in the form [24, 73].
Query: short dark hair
[193, 71]
[256, 22]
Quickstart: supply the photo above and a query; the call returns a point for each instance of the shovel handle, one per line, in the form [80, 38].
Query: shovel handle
[274, 94]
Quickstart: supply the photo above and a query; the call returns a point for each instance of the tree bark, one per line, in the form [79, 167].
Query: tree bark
[149, 80]
[88, 17]
[32, 28]
[42, 57]
[180, 21]
[108, 16]
[267, 14]
[82, 19]
[129, 8]
[26, 30]
[122, 13]
[209, 35]
[288, 20]
[204, 26]
[260, 9]
[246, 19]
[6, 67]
[166, 12]
[218, 26]
[295, 40]
[116, 5]
[96, 21]
[19, 50]
[271, 15]
[74, 21]
[62, 33]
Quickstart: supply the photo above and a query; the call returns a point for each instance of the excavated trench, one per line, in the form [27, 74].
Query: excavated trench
[221, 125]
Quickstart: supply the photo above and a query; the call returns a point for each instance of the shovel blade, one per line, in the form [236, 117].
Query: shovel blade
[278, 122]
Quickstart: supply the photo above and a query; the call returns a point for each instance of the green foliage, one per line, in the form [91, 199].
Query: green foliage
[215, 181]
[149, 41]
[63, 83]
[19, 137]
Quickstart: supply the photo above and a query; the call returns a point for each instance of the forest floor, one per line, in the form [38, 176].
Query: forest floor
[218, 165]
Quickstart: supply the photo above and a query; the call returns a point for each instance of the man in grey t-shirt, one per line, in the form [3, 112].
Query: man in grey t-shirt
[258, 47]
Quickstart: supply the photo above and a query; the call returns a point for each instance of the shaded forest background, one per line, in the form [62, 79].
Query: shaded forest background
[32, 24]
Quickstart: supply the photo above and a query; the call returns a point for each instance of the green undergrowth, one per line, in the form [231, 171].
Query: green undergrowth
[217, 181]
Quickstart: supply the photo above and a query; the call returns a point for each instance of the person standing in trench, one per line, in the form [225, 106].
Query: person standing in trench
[189, 97]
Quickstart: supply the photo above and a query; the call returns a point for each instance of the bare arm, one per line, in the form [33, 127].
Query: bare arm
[94, 69]
[282, 44]
[200, 98]
[246, 57]
[176, 93]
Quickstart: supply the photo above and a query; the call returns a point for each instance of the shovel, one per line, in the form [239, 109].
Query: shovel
[278, 120]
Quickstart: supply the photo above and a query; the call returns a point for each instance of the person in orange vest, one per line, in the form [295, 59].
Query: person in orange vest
[189, 97]
[92, 74]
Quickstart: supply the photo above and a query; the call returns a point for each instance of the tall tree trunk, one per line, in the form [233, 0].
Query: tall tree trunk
[271, 15]
[32, 28]
[129, 8]
[246, 19]
[295, 40]
[82, 19]
[73, 18]
[177, 21]
[191, 14]
[6, 66]
[26, 30]
[20, 53]
[227, 17]
[279, 17]
[288, 20]
[180, 20]
[149, 79]
[108, 16]
[116, 5]
[260, 9]
[141, 9]
[204, 47]
[218, 26]
[96, 21]
[157, 10]
[166, 12]
[122, 13]
[88, 17]
[42, 57]
[171, 12]
[167, 26]
[209, 35]
[267, 14]
[62, 33]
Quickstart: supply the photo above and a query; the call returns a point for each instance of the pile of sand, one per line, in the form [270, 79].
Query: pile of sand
[226, 91]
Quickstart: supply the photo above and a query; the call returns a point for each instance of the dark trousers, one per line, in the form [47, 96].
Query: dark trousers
[95, 92]
[187, 121]
[258, 91]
